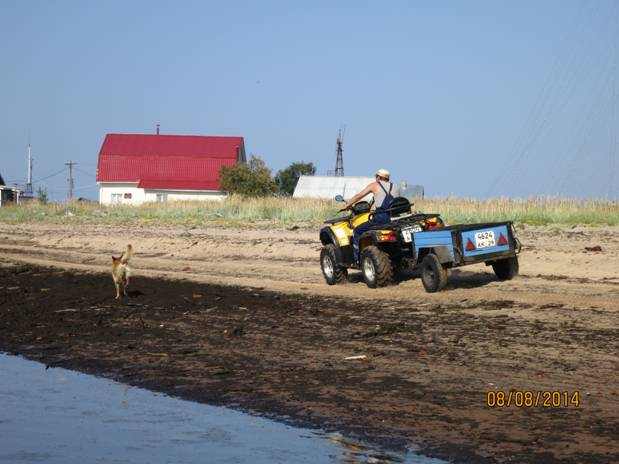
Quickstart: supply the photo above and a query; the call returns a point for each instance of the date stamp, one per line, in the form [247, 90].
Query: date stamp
[533, 399]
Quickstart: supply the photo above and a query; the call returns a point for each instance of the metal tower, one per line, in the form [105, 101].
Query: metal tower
[339, 163]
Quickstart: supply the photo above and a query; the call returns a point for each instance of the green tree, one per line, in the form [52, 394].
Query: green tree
[42, 195]
[287, 179]
[252, 179]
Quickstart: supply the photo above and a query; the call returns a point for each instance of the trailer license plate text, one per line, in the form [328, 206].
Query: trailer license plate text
[484, 239]
[406, 235]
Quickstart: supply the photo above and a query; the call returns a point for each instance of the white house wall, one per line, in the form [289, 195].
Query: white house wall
[107, 189]
[188, 195]
[139, 195]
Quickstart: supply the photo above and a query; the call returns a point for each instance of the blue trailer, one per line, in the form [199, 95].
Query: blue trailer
[433, 252]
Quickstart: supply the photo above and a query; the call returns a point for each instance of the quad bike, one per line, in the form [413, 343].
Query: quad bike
[417, 241]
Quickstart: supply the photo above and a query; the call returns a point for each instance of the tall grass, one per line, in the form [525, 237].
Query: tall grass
[308, 212]
[535, 211]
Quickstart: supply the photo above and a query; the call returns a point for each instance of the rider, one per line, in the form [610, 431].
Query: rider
[384, 192]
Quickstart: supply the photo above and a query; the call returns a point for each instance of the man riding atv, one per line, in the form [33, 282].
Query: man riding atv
[384, 192]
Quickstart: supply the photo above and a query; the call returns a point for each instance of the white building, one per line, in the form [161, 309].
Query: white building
[327, 187]
[8, 195]
[138, 168]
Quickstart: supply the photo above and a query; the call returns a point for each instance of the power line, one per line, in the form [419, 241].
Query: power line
[584, 64]
[569, 71]
[85, 187]
[51, 175]
[542, 106]
[85, 172]
[600, 106]
[612, 152]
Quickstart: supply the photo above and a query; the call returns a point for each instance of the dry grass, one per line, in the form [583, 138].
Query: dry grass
[310, 213]
[535, 211]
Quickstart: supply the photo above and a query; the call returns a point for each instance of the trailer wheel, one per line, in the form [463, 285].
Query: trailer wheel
[333, 272]
[506, 269]
[376, 267]
[433, 274]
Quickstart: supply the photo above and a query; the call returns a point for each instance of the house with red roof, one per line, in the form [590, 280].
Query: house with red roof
[8, 194]
[138, 168]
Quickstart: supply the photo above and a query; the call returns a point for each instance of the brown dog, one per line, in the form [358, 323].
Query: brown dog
[121, 271]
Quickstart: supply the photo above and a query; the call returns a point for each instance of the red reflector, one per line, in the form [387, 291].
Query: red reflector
[470, 246]
[387, 236]
[502, 240]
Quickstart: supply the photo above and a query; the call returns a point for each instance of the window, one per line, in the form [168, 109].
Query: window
[162, 197]
[117, 198]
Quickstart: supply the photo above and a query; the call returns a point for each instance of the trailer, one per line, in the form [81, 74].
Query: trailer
[434, 252]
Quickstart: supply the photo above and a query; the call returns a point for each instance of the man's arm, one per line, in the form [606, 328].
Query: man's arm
[366, 191]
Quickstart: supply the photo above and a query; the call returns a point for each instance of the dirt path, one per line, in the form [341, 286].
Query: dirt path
[555, 268]
[277, 343]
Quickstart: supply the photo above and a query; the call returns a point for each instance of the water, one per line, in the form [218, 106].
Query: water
[60, 416]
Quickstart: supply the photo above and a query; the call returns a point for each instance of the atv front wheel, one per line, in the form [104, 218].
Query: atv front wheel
[506, 269]
[376, 267]
[433, 274]
[334, 272]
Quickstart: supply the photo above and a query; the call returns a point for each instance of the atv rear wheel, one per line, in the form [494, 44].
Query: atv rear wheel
[506, 269]
[433, 274]
[376, 267]
[333, 272]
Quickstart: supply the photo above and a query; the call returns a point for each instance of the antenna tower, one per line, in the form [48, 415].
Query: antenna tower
[339, 162]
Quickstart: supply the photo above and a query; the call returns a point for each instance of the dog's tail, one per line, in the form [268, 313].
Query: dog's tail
[127, 254]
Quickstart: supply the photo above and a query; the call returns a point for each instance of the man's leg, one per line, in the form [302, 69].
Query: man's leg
[356, 235]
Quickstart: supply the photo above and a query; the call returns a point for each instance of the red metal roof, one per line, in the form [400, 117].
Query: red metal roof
[178, 184]
[174, 162]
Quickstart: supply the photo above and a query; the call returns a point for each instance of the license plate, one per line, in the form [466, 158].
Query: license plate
[407, 234]
[484, 239]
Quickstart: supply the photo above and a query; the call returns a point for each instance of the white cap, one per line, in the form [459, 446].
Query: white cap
[383, 173]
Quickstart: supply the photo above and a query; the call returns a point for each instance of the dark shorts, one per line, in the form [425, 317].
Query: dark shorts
[377, 219]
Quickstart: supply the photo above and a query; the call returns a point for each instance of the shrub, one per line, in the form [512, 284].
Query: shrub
[287, 179]
[252, 179]
[42, 195]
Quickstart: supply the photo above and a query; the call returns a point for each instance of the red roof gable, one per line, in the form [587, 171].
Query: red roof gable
[178, 162]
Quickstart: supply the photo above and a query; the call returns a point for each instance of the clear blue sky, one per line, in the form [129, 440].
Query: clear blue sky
[445, 94]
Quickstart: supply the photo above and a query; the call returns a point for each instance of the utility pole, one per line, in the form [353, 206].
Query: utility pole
[339, 162]
[29, 177]
[70, 179]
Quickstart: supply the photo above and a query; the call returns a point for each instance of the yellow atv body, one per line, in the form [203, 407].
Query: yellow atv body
[336, 236]
[343, 229]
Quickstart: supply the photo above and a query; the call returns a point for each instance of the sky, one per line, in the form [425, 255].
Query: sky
[477, 98]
